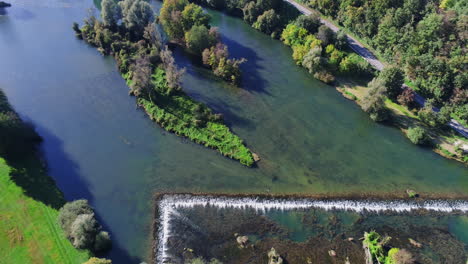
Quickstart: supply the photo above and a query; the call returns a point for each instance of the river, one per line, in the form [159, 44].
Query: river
[100, 147]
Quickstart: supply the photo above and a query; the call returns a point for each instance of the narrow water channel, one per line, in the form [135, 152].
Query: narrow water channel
[100, 147]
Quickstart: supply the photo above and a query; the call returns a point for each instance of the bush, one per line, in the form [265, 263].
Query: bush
[324, 76]
[98, 261]
[418, 135]
[403, 256]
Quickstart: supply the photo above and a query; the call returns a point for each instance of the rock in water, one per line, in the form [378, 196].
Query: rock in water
[274, 257]
[332, 253]
[242, 241]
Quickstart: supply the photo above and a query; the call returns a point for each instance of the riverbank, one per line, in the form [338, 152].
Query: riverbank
[29, 231]
[443, 142]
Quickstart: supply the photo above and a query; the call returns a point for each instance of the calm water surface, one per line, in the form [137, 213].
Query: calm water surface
[100, 147]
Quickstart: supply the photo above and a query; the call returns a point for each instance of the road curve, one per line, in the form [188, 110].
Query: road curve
[368, 56]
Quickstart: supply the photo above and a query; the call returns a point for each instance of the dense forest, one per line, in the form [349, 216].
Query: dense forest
[129, 32]
[427, 39]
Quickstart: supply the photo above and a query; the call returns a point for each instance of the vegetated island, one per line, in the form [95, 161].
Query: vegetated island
[152, 75]
[4, 4]
[326, 55]
[29, 216]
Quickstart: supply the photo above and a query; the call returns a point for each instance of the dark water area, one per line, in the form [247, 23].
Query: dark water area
[212, 232]
[100, 147]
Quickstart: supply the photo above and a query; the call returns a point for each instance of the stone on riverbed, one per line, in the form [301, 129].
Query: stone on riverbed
[242, 241]
[274, 257]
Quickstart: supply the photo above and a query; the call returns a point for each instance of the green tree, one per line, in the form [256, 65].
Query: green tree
[110, 13]
[313, 60]
[251, 12]
[136, 15]
[417, 135]
[293, 35]
[193, 15]
[267, 22]
[392, 78]
[374, 102]
[311, 22]
[171, 17]
[198, 38]
[326, 35]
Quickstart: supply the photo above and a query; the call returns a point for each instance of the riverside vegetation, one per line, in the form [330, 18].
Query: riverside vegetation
[326, 56]
[129, 32]
[426, 39]
[30, 232]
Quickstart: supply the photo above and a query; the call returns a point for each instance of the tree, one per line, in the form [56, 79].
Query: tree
[193, 15]
[417, 135]
[171, 17]
[434, 119]
[83, 231]
[293, 35]
[173, 74]
[267, 22]
[311, 22]
[392, 78]
[199, 38]
[70, 211]
[141, 81]
[313, 60]
[341, 40]
[153, 35]
[136, 15]
[94, 260]
[407, 98]
[251, 12]
[374, 102]
[110, 13]
[326, 35]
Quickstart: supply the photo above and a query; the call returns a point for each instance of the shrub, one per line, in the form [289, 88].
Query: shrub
[403, 256]
[324, 76]
[98, 261]
[326, 35]
[418, 135]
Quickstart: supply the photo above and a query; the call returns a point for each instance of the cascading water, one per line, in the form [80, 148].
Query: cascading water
[169, 203]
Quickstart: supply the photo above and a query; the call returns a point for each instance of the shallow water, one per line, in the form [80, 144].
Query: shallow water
[210, 232]
[100, 147]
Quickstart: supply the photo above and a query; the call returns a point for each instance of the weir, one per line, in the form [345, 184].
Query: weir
[168, 204]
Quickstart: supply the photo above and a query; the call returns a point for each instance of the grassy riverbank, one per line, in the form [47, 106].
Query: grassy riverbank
[443, 142]
[29, 231]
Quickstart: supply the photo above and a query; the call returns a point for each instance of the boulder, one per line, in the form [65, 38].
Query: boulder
[332, 253]
[274, 257]
[242, 241]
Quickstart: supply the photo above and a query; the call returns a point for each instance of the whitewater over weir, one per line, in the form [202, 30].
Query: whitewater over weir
[169, 203]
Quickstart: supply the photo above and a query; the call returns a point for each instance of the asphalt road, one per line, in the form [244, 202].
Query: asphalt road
[368, 56]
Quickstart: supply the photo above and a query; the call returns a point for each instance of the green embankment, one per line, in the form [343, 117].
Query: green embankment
[29, 232]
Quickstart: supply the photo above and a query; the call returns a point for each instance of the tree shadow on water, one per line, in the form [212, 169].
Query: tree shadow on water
[251, 78]
[66, 173]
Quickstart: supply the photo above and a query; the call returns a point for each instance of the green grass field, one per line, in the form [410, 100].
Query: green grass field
[29, 232]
